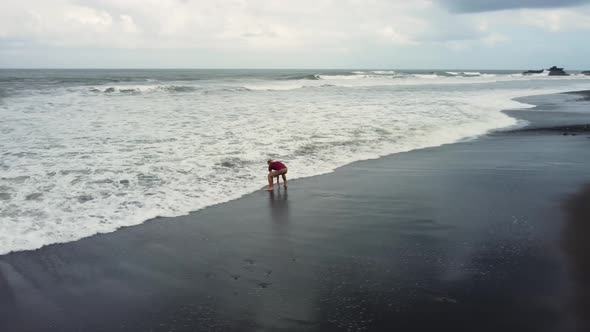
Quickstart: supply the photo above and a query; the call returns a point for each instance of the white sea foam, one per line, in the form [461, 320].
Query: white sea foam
[363, 79]
[430, 76]
[77, 163]
[343, 77]
[148, 88]
[544, 73]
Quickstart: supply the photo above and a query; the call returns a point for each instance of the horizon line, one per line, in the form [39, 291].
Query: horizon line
[243, 68]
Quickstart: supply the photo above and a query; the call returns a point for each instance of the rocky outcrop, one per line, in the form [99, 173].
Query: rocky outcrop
[554, 71]
[530, 72]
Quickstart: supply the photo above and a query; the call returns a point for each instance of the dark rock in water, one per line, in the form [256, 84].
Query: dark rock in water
[124, 182]
[586, 72]
[554, 71]
[530, 72]
[110, 90]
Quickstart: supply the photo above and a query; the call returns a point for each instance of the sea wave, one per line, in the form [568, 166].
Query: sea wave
[115, 162]
[303, 77]
[430, 76]
[138, 89]
[384, 72]
[343, 77]
[353, 79]
[460, 74]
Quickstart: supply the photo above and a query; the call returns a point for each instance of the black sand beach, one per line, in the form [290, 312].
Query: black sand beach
[483, 235]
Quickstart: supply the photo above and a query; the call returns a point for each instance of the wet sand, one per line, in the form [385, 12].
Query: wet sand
[577, 248]
[482, 235]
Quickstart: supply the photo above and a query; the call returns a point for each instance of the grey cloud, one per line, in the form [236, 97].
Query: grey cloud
[477, 6]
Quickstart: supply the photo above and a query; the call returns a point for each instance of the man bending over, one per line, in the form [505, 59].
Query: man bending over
[276, 168]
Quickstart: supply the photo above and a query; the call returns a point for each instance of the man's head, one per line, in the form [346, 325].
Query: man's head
[269, 161]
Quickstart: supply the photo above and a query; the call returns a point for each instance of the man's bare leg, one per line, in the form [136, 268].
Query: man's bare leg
[270, 182]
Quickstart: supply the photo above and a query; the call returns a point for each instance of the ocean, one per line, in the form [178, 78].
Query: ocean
[84, 152]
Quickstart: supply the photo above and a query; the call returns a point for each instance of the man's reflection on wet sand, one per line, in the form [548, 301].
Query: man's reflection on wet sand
[279, 206]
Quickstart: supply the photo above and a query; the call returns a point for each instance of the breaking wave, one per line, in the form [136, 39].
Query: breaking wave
[144, 89]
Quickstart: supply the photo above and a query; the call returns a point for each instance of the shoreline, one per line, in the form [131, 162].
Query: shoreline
[463, 233]
[519, 126]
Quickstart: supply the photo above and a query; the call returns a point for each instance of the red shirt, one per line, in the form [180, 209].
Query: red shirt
[276, 166]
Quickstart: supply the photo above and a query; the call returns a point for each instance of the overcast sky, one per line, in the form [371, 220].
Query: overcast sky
[464, 34]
